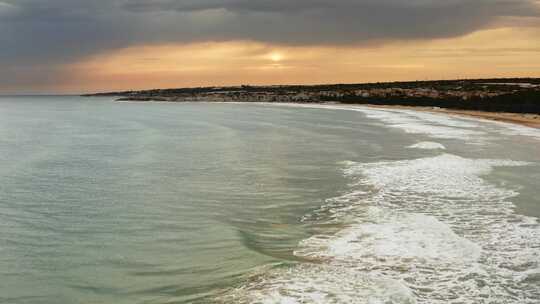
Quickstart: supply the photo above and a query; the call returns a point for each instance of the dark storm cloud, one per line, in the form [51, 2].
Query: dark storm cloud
[55, 31]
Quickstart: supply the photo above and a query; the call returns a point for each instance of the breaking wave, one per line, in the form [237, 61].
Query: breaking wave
[427, 145]
[438, 125]
[427, 230]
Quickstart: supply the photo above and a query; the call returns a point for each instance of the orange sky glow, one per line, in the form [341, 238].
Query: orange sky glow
[502, 52]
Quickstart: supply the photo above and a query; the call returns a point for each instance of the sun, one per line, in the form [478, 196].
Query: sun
[276, 57]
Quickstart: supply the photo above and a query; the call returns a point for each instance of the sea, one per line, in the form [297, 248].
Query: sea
[146, 202]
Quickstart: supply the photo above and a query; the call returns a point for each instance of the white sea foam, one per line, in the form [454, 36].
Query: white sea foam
[437, 125]
[414, 237]
[415, 122]
[427, 145]
[320, 284]
[443, 119]
[428, 230]
[445, 126]
[513, 129]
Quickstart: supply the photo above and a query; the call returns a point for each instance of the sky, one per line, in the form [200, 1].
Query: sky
[80, 46]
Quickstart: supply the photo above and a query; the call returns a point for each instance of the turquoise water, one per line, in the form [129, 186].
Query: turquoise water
[107, 202]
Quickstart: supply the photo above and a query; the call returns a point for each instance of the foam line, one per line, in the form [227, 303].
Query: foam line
[427, 230]
[436, 125]
[427, 145]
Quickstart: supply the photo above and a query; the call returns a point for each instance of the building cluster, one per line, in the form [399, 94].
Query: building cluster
[234, 96]
[426, 93]
[317, 96]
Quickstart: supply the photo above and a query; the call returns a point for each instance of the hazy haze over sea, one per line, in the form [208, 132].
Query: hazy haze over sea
[107, 202]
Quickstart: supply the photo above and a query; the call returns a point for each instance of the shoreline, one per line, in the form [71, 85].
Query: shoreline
[523, 119]
[527, 120]
[519, 119]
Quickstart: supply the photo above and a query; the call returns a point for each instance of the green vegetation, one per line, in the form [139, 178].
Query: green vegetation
[516, 95]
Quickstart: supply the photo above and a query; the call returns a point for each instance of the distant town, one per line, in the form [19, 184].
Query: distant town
[516, 95]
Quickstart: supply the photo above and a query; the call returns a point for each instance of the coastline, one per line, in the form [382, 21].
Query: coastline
[523, 119]
[503, 100]
[528, 120]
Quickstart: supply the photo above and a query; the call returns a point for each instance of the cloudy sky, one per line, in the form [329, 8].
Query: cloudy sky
[72, 46]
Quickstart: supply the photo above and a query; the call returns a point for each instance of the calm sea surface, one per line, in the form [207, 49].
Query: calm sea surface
[108, 202]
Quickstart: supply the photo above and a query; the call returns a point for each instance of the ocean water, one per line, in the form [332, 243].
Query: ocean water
[108, 202]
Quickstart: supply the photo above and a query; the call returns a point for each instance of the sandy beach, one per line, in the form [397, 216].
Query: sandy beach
[529, 120]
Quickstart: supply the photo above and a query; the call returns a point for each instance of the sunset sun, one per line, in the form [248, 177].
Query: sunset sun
[276, 57]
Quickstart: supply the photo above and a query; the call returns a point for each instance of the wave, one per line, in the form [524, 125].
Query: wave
[427, 145]
[428, 230]
[437, 125]
[428, 124]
